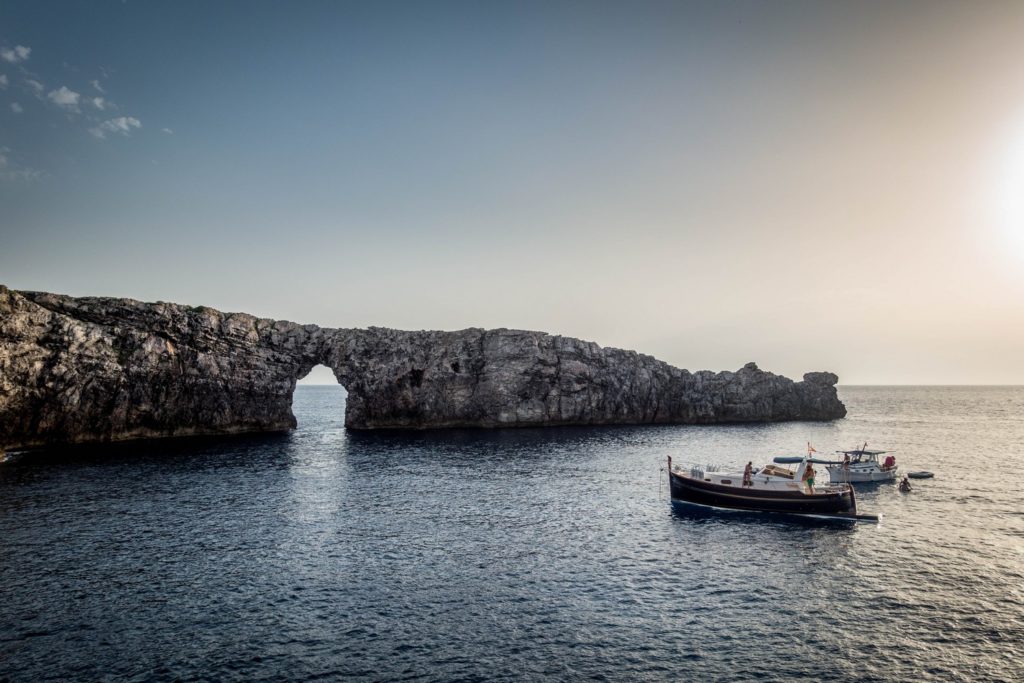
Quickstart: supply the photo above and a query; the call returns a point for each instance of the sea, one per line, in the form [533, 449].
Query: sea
[516, 555]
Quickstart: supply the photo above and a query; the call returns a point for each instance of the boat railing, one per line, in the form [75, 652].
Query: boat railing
[698, 471]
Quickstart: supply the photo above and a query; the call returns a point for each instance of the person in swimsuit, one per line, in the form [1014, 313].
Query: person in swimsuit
[809, 478]
[747, 472]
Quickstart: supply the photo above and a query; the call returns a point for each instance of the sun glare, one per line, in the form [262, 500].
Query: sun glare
[1008, 191]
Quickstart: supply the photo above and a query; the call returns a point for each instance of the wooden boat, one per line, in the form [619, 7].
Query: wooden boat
[772, 488]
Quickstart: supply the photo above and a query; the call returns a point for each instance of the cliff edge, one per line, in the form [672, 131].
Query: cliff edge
[100, 369]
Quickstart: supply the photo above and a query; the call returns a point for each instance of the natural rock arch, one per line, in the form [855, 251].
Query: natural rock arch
[99, 369]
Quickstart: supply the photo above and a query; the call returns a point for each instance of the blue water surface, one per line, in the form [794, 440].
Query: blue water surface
[533, 554]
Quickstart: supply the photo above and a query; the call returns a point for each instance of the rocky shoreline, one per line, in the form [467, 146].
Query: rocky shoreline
[90, 369]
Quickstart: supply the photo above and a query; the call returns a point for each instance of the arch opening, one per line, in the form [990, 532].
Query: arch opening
[319, 375]
[319, 399]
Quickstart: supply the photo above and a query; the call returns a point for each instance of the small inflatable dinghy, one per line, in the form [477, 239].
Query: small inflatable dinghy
[920, 475]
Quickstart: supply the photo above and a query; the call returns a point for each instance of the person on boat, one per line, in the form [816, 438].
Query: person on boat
[748, 471]
[846, 461]
[890, 462]
[809, 477]
[905, 485]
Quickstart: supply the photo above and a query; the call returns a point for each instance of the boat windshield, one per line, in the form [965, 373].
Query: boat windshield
[861, 455]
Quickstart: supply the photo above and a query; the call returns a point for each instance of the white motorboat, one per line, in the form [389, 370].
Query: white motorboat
[862, 465]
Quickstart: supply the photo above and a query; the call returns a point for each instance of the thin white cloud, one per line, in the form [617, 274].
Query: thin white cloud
[11, 171]
[19, 53]
[36, 86]
[3, 82]
[25, 174]
[16, 108]
[65, 98]
[168, 131]
[99, 103]
[96, 84]
[122, 124]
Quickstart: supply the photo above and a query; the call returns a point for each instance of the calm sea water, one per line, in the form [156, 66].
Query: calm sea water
[515, 555]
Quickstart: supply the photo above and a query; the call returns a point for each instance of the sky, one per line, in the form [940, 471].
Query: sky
[807, 185]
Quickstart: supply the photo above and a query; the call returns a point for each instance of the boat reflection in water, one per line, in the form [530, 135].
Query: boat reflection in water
[772, 489]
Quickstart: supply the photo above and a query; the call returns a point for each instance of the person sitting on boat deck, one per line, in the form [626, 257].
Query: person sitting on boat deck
[748, 471]
[905, 485]
[890, 462]
[809, 477]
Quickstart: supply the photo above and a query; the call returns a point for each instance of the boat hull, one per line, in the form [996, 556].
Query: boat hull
[690, 510]
[692, 490]
[856, 475]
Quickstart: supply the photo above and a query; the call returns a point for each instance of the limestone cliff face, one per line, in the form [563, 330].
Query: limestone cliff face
[99, 369]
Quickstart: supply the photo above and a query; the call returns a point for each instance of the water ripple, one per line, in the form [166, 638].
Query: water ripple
[523, 554]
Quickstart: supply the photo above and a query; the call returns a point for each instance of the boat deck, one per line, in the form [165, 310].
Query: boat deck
[774, 482]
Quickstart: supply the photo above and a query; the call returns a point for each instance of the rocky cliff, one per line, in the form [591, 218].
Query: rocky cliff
[99, 369]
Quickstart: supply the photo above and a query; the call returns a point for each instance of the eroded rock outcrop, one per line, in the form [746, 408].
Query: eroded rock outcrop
[97, 369]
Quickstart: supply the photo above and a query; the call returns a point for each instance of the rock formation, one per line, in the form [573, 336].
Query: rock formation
[99, 369]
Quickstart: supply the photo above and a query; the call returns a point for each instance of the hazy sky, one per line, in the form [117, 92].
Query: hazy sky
[809, 185]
